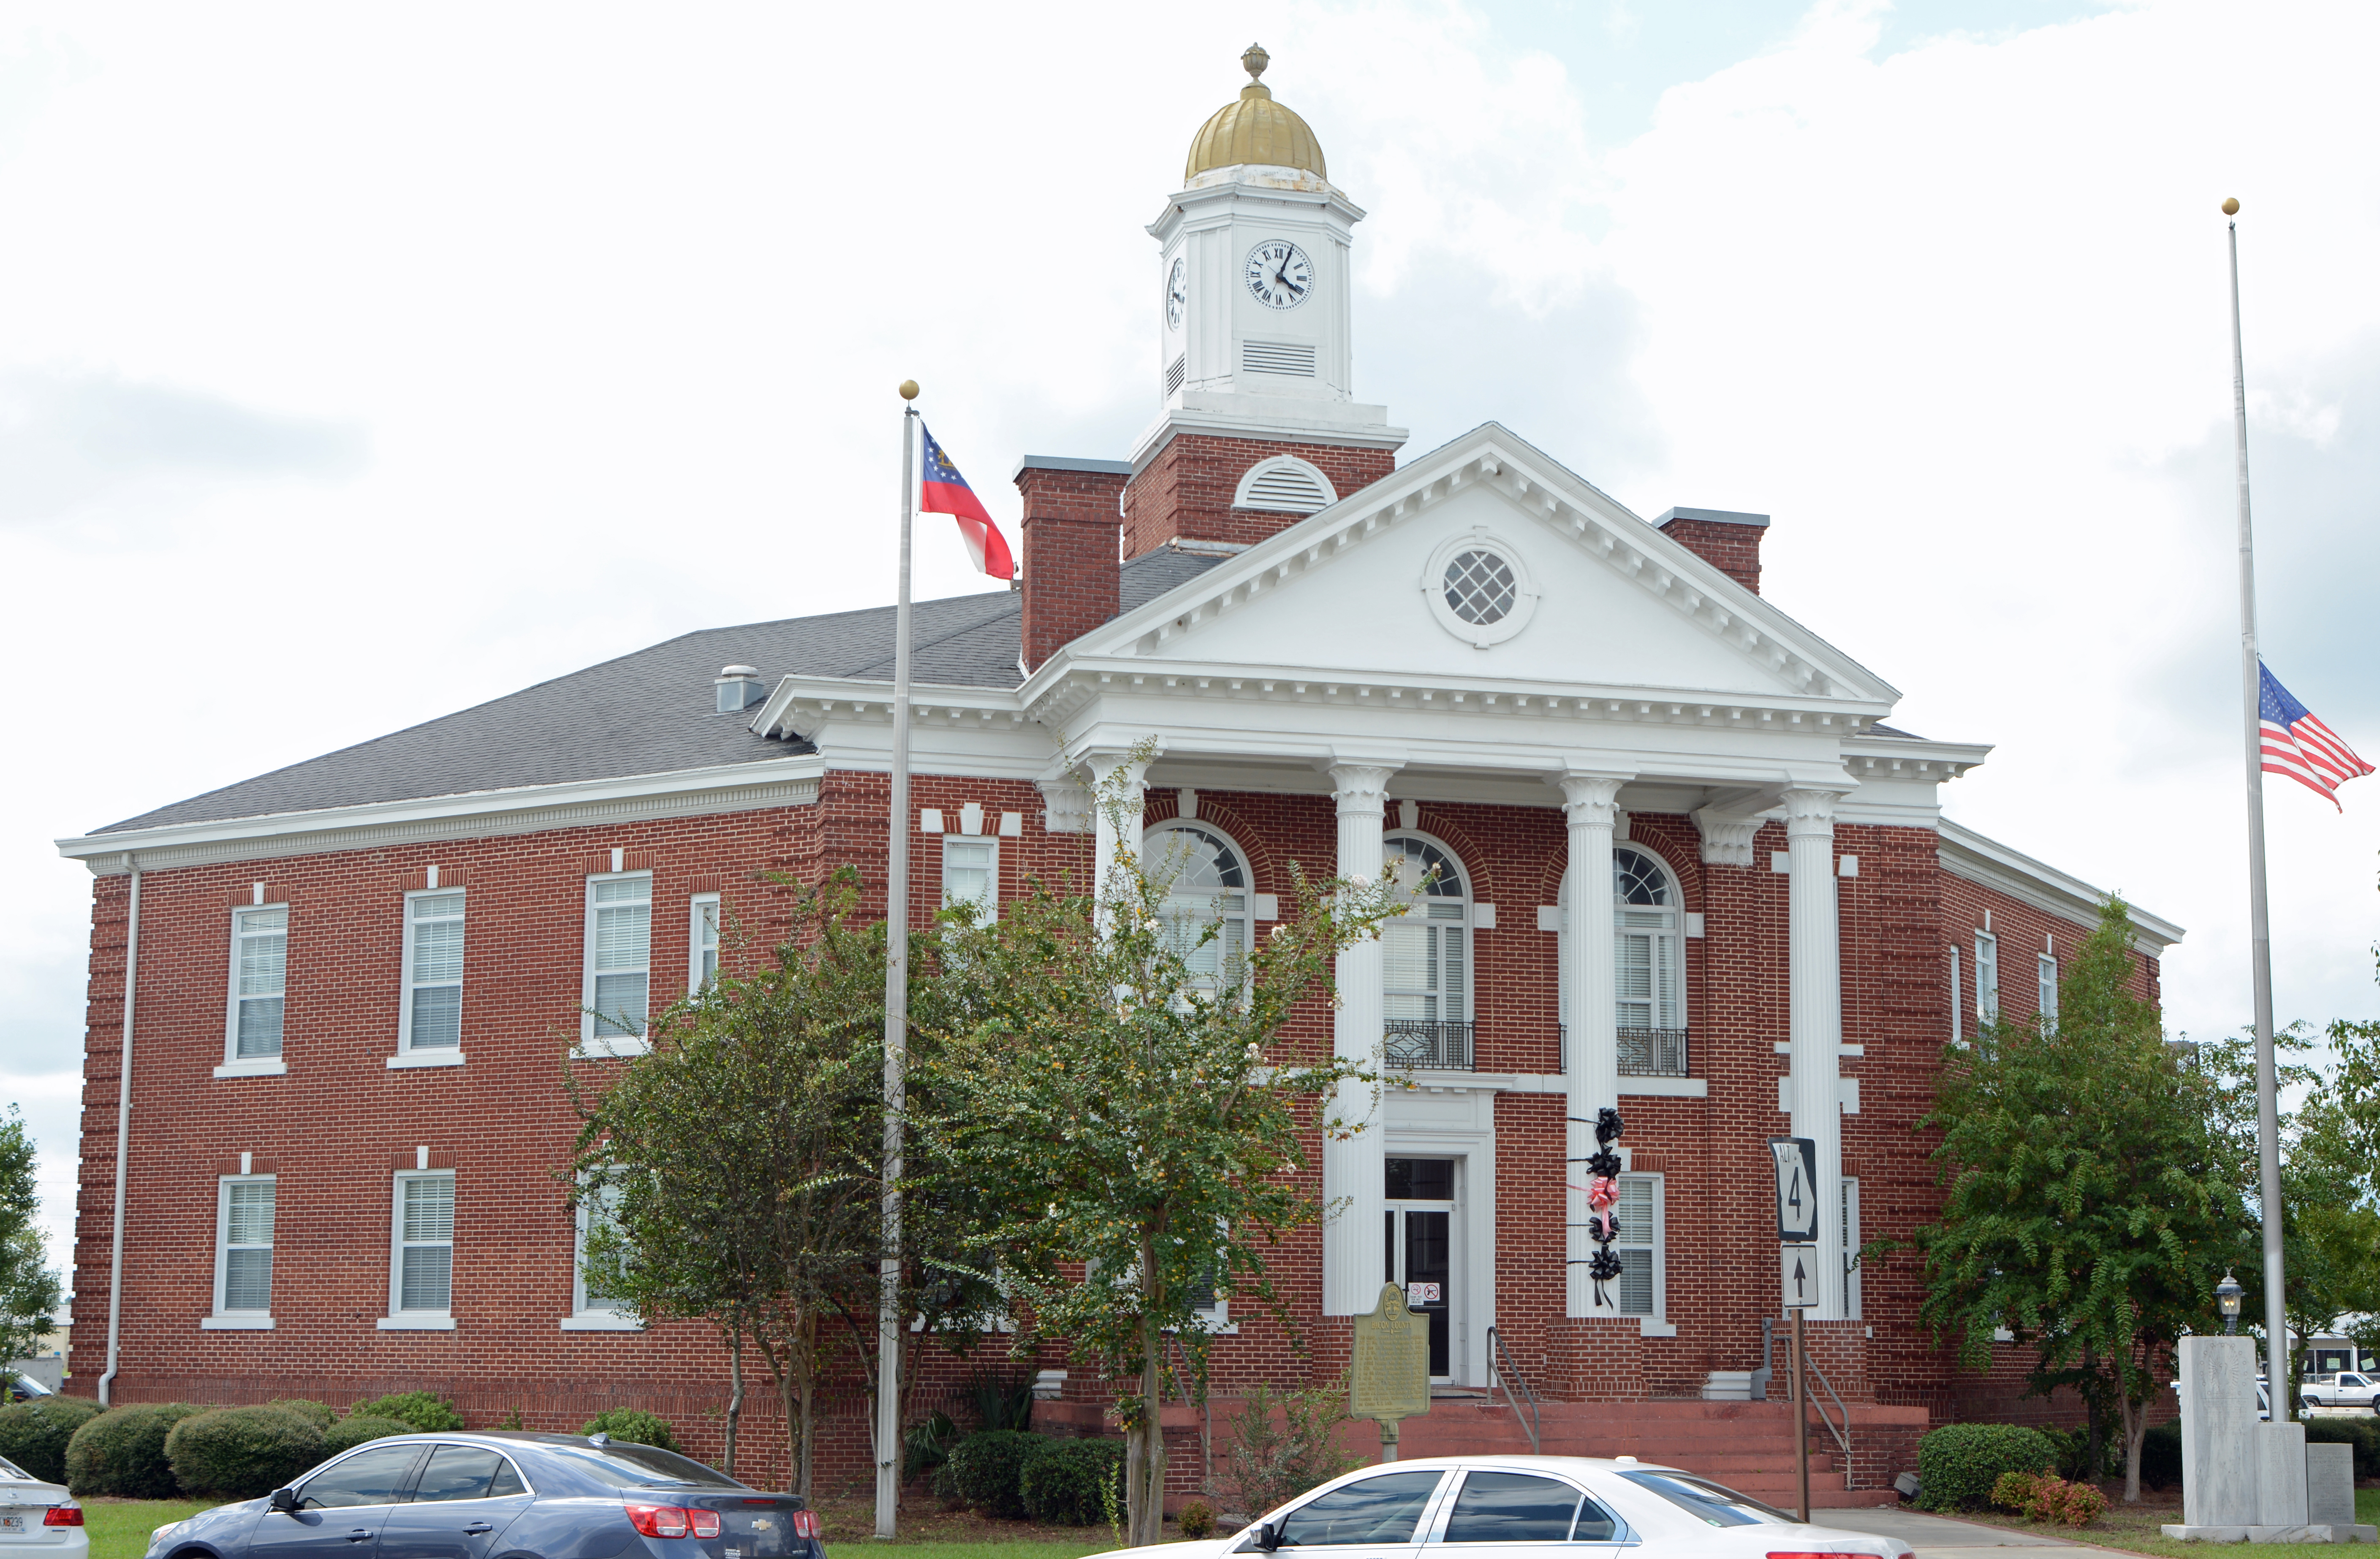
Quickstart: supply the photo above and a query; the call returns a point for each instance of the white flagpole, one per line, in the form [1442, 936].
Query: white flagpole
[2268, 1123]
[896, 1015]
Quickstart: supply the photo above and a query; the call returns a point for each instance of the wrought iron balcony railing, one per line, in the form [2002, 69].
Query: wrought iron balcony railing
[1413, 1044]
[1642, 1052]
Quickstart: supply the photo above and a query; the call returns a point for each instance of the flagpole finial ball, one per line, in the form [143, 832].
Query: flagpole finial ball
[2231, 206]
[908, 389]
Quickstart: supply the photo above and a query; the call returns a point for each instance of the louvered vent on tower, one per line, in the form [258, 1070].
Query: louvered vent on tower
[1174, 372]
[1289, 485]
[1278, 356]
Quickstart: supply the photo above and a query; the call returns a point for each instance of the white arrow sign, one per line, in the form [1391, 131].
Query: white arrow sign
[1797, 1189]
[1799, 1268]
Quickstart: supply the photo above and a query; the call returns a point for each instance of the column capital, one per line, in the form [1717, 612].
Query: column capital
[1360, 789]
[1809, 811]
[1590, 799]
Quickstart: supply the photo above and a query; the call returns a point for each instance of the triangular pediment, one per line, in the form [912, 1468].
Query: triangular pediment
[1485, 559]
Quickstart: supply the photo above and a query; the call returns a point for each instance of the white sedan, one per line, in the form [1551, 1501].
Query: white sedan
[39, 1520]
[1531, 1507]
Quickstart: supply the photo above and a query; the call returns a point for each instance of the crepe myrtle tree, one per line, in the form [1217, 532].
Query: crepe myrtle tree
[734, 1174]
[1115, 1076]
[2090, 1203]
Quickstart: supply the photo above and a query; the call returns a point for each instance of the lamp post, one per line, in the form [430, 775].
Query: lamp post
[2227, 1294]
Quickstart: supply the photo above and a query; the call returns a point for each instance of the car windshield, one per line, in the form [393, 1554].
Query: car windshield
[10, 1469]
[646, 1466]
[1707, 1502]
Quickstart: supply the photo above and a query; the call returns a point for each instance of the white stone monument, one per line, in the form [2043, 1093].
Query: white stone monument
[2244, 1481]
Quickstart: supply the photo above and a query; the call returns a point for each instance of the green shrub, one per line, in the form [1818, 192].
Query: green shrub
[241, 1453]
[2161, 1456]
[122, 1451]
[34, 1434]
[425, 1411]
[986, 1468]
[350, 1432]
[1197, 1519]
[1065, 1482]
[628, 1424]
[928, 1446]
[1957, 1464]
[2364, 1434]
[322, 1415]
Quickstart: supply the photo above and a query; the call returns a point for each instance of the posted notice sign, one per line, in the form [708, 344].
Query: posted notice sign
[1797, 1189]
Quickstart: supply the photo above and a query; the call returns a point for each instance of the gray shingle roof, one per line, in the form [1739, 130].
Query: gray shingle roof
[649, 712]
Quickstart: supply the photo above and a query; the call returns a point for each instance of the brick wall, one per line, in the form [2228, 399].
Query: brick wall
[1188, 488]
[1735, 548]
[1071, 563]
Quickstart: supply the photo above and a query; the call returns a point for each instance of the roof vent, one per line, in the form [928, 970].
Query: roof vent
[739, 688]
[1286, 483]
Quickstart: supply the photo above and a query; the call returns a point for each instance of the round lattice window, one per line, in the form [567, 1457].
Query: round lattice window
[1480, 587]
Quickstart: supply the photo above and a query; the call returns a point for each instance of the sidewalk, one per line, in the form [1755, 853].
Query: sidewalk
[1944, 1537]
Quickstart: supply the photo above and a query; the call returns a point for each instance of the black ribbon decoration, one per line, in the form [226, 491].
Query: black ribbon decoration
[1603, 1184]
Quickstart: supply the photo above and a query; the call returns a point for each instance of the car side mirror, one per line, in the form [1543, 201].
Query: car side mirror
[1268, 1538]
[285, 1500]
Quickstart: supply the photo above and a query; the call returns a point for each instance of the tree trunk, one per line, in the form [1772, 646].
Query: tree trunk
[2135, 1418]
[1145, 1444]
[734, 1392]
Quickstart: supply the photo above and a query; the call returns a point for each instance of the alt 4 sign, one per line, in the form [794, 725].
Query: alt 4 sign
[1797, 1189]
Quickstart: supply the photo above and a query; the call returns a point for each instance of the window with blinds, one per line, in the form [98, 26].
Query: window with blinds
[1987, 977]
[702, 942]
[425, 1244]
[2046, 968]
[1428, 963]
[259, 972]
[595, 1210]
[433, 971]
[971, 874]
[619, 960]
[244, 1246]
[1206, 884]
[1638, 1289]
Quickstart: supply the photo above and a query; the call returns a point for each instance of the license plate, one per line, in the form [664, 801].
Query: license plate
[14, 1525]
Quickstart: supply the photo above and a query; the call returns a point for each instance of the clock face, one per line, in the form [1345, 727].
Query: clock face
[1280, 276]
[1177, 295]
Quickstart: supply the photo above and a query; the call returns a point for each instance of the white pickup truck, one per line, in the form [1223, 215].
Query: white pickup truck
[2349, 1388]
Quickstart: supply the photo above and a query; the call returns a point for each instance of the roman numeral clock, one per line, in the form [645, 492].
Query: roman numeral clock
[1279, 275]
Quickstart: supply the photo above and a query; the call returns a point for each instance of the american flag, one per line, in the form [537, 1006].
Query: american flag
[2302, 747]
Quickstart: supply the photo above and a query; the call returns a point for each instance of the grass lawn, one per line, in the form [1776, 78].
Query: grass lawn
[2133, 1528]
[120, 1528]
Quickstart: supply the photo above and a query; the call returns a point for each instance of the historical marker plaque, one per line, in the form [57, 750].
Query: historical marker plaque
[1390, 1377]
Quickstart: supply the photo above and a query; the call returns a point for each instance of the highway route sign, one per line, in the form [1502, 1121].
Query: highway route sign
[1797, 1189]
[1799, 1269]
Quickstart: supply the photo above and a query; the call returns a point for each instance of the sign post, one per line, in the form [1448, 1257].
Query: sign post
[1388, 1380]
[1796, 1161]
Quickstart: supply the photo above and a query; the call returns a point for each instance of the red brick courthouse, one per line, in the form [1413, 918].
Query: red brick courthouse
[1684, 865]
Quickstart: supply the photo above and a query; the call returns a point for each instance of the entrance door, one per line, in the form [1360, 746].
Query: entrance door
[1420, 1246]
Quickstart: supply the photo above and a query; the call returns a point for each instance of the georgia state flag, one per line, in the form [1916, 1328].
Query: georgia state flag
[946, 492]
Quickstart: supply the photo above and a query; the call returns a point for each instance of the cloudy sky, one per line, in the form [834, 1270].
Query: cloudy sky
[361, 364]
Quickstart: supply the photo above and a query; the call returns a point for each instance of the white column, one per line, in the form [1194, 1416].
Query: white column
[1103, 766]
[1594, 1040]
[1354, 1168]
[1816, 1010]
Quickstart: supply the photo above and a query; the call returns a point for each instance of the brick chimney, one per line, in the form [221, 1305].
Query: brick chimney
[1071, 543]
[1720, 537]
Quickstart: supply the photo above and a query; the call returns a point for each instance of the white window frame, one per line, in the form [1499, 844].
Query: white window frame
[399, 1318]
[1151, 842]
[1851, 1247]
[1659, 1246]
[224, 1319]
[987, 906]
[1987, 977]
[428, 1055]
[234, 1063]
[1467, 922]
[601, 1315]
[1674, 935]
[1957, 1001]
[2045, 968]
[590, 1042]
[701, 904]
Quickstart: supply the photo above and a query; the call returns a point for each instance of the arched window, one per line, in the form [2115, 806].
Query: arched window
[1647, 963]
[1428, 956]
[1205, 880]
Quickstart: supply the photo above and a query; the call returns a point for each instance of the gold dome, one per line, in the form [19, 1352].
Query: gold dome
[1255, 129]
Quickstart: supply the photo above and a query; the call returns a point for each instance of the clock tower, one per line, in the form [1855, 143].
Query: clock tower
[1260, 426]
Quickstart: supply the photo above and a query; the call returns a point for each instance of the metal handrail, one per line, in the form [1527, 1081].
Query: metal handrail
[1642, 1052]
[1421, 1043]
[1534, 1425]
[1842, 1437]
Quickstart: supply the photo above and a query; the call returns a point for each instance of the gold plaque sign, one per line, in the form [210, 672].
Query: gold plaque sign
[1390, 1376]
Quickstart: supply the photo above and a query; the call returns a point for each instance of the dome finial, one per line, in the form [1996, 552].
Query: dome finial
[1255, 61]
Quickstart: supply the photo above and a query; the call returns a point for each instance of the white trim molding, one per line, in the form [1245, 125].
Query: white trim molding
[1989, 863]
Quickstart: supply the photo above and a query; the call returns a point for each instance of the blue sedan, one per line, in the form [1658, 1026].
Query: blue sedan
[503, 1495]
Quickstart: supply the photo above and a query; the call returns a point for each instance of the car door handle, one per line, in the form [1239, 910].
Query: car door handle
[477, 1530]
[360, 1534]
